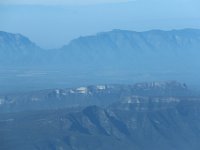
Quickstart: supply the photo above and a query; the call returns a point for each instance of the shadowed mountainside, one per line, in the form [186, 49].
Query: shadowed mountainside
[140, 123]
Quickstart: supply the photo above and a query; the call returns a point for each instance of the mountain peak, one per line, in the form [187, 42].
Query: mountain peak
[15, 41]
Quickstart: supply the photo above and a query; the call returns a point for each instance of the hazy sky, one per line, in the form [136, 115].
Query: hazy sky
[60, 2]
[53, 23]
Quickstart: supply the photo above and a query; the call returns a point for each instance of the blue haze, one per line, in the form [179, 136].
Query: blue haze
[52, 26]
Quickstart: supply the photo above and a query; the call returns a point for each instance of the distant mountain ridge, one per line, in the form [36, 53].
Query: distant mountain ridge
[101, 95]
[128, 49]
[114, 49]
[153, 39]
[17, 50]
[15, 41]
[118, 56]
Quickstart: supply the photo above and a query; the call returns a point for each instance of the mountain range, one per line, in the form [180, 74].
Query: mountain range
[161, 115]
[100, 95]
[154, 50]
[117, 56]
[136, 123]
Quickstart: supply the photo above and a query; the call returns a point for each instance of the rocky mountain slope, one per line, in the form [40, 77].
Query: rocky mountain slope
[139, 123]
[17, 50]
[117, 56]
[101, 95]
